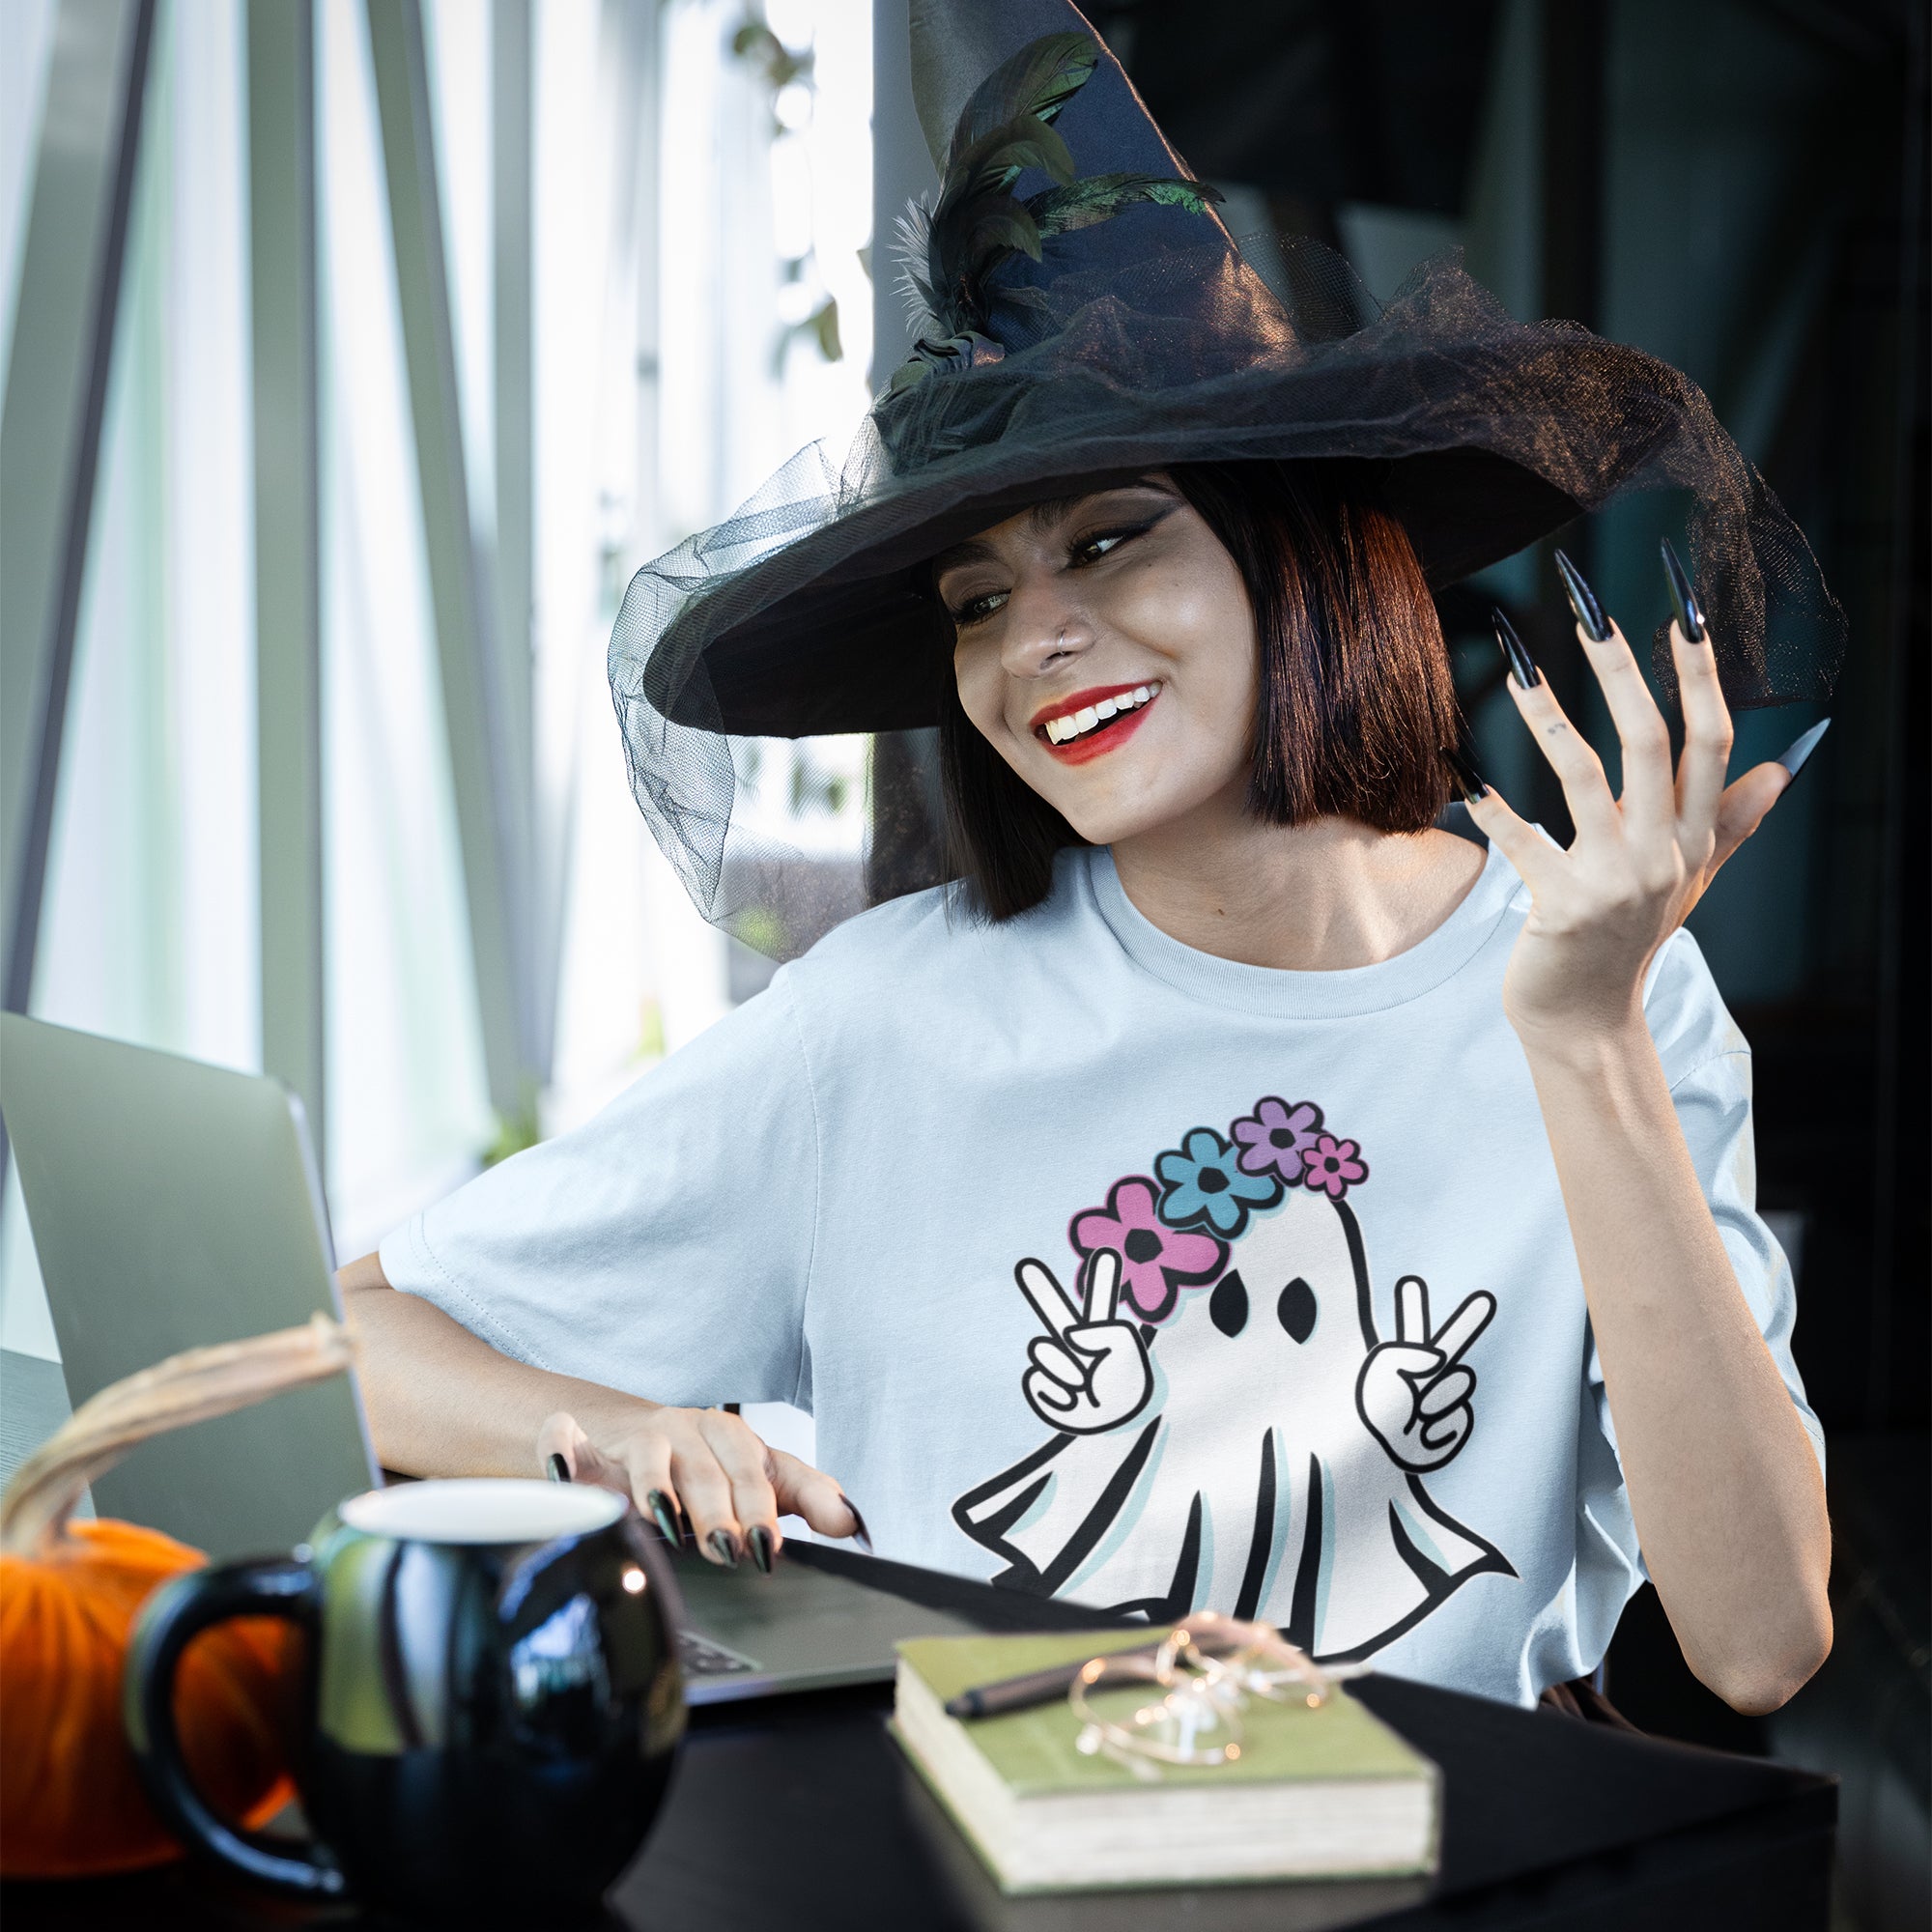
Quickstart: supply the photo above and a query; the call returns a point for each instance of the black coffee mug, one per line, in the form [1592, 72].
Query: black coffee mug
[491, 1707]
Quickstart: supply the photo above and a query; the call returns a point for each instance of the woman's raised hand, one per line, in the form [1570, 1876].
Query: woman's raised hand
[1639, 863]
[707, 1463]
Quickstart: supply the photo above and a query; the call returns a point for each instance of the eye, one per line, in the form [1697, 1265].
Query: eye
[1103, 543]
[1228, 1305]
[1295, 1310]
[977, 609]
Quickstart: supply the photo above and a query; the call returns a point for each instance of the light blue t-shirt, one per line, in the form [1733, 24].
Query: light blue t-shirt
[1347, 1383]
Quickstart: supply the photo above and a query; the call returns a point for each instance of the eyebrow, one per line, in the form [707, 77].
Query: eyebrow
[1039, 518]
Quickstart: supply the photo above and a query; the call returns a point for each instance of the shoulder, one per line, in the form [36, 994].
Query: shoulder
[934, 942]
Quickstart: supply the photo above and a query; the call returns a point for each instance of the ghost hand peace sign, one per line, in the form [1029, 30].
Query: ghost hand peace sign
[1094, 1373]
[1413, 1393]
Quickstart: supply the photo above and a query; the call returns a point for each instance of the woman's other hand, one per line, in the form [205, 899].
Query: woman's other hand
[1638, 863]
[710, 1466]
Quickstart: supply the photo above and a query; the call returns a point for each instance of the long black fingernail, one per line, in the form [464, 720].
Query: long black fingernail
[726, 1544]
[1795, 755]
[760, 1539]
[1468, 779]
[1689, 613]
[1522, 667]
[861, 1534]
[560, 1470]
[1582, 600]
[664, 1516]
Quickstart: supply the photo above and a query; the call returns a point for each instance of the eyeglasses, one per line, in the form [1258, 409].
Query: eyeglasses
[1206, 1671]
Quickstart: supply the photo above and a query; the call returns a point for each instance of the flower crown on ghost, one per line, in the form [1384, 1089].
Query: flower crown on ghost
[1174, 1233]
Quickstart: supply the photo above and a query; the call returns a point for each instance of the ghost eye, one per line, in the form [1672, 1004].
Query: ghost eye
[1228, 1305]
[1295, 1310]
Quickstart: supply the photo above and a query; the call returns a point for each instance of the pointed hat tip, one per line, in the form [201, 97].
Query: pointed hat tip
[956, 44]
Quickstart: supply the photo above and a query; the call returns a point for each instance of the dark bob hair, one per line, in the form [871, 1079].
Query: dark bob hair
[1355, 702]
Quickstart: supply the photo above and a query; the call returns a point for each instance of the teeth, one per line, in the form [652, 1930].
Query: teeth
[1076, 724]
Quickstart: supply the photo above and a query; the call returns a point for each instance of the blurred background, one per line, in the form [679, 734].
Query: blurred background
[357, 350]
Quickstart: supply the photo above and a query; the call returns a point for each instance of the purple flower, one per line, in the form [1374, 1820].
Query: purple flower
[1156, 1262]
[1276, 1138]
[1332, 1169]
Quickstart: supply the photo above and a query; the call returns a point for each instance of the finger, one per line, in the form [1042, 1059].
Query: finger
[703, 1487]
[1707, 736]
[1411, 1309]
[803, 1491]
[647, 1472]
[1103, 1286]
[1051, 1359]
[1449, 1390]
[1744, 807]
[1447, 1429]
[562, 1434]
[1415, 1362]
[1649, 799]
[1536, 860]
[1464, 1327]
[742, 1454]
[1579, 770]
[1050, 1301]
[1047, 1396]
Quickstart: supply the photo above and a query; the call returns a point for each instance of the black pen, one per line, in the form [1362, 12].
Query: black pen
[1043, 1687]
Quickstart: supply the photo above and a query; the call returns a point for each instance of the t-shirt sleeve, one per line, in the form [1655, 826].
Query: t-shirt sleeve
[665, 1246]
[1707, 1061]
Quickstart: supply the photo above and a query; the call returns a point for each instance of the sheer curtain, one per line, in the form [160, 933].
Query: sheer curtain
[701, 209]
[149, 931]
[408, 1111]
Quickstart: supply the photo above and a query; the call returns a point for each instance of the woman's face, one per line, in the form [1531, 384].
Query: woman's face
[1106, 650]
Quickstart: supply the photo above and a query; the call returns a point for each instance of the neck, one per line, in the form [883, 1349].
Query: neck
[1312, 898]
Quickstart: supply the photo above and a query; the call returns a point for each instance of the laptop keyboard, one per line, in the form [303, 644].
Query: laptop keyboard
[702, 1658]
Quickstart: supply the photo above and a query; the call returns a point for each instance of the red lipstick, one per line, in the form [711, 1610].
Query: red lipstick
[1101, 735]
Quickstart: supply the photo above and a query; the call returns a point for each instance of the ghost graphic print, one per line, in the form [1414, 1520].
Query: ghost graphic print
[1229, 1429]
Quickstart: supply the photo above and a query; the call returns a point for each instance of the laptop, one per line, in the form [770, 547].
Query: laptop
[175, 1205]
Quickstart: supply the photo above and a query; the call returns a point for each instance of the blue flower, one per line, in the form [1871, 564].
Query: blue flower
[1203, 1181]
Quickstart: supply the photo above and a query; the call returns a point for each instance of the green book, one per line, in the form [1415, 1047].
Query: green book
[1329, 1792]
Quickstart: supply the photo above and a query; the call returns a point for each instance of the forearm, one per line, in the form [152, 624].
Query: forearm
[442, 1403]
[1725, 1487]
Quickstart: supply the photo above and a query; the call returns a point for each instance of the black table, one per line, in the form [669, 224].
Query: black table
[799, 1813]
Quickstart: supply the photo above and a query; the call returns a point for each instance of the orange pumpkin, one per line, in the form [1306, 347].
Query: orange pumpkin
[70, 1800]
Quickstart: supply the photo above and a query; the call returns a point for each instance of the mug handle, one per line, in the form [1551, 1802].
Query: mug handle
[171, 1618]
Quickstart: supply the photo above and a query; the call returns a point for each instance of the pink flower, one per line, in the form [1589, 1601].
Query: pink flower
[1332, 1169]
[1275, 1139]
[1156, 1261]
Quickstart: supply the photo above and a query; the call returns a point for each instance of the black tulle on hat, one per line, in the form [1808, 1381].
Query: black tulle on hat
[1085, 314]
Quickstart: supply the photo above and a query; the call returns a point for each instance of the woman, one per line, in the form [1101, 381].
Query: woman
[1411, 1297]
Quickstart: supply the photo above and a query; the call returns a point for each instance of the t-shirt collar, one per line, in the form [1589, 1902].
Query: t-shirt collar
[1277, 993]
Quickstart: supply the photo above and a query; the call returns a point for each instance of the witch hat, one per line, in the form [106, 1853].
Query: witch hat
[1083, 314]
